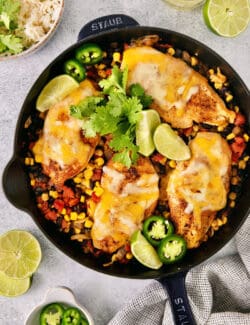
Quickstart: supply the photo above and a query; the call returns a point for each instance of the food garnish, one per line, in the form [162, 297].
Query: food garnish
[172, 249]
[169, 144]
[75, 69]
[227, 18]
[20, 256]
[114, 112]
[144, 252]
[89, 54]
[55, 90]
[156, 228]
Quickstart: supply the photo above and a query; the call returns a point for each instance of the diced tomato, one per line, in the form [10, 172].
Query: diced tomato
[158, 157]
[51, 215]
[68, 192]
[108, 72]
[97, 175]
[188, 131]
[64, 224]
[59, 204]
[127, 248]
[237, 147]
[73, 201]
[95, 198]
[239, 119]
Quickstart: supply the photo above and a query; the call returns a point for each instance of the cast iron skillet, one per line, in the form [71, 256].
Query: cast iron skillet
[16, 184]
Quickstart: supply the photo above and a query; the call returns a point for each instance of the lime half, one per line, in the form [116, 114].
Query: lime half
[169, 144]
[55, 90]
[20, 254]
[144, 252]
[227, 17]
[145, 128]
[13, 287]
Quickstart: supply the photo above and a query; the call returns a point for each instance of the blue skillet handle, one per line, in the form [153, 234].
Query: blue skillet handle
[106, 23]
[175, 287]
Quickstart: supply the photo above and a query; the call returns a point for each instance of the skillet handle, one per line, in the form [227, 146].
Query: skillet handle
[15, 184]
[106, 23]
[175, 287]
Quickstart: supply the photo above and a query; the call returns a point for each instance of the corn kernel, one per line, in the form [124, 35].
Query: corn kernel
[220, 128]
[38, 158]
[194, 61]
[234, 180]
[129, 256]
[82, 199]
[232, 204]
[99, 152]
[116, 57]
[45, 197]
[97, 184]
[88, 173]
[66, 217]
[232, 196]
[214, 224]
[27, 161]
[77, 180]
[172, 164]
[101, 66]
[99, 161]
[88, 191]
[246, 158]
[73, 216]
[196, 128]
[77, 230]
[217, 85]
[171, 51]
[224, 219]
[98, 191]
[229, 97]
[81, 216]
[102, 73]
[246, 137]
[86, 182]
[211, 71]
[63, 212]
[91, 207]
[236, 108]
[230, 136]
[88, 223]
[242, 164]
[32, 182]
[220, 223]
[53, 194]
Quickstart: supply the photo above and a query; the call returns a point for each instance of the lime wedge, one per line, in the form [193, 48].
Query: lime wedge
[13, 287]
[55, 90]
[144, 252]
[145, 128]
[227, 17]
[169, 144]
[20, 254]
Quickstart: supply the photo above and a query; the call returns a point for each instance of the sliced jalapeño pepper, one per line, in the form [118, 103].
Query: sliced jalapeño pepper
[89, 54]
[84, 321]
[172, 249]
[74, 68]
[52, 314]
[156, 228]
[72, 316]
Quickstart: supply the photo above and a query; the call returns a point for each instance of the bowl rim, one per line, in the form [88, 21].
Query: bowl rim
[40, 43]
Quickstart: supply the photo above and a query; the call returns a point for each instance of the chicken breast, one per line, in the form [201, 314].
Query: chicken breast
[181, 95]
[129, 196]
[198, 188]
[62, 149]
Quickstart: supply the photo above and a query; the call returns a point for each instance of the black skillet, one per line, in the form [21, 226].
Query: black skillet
[16, 184]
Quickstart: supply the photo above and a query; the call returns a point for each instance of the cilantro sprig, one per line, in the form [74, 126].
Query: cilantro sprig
[114, 112]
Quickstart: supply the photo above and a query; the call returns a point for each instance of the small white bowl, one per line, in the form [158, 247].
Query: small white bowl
[61, 295]
[42, 42]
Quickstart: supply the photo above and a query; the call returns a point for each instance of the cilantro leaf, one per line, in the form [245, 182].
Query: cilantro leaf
[9, 10]
[86, 107]
[132, 108]
[12, 42]
[116, 82]
[137, 91]
[5, 19]
[103, 122]
[123, 158]
[2, 47]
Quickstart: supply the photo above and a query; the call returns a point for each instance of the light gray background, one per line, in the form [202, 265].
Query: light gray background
[102, 295]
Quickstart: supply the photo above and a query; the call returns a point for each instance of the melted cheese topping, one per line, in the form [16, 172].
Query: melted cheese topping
[201, 184]
[61, 141]
[170, 84]
[122, 207]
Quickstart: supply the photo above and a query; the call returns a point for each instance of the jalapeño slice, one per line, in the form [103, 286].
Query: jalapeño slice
[172, 249]
[156, 228]
[89, 54]
[52, 314]
[72, 316]
[74, 68]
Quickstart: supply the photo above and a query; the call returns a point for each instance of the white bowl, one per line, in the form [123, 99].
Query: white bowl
[61, 295]
[42, 42]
